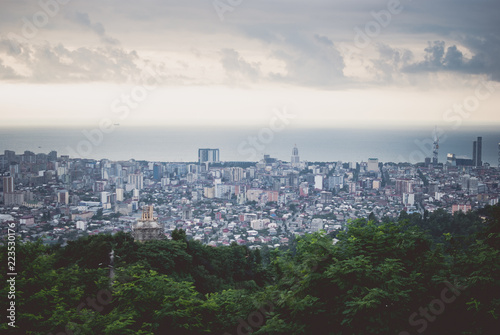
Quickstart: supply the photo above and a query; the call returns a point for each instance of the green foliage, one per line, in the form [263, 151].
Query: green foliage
[371, 281]
[179, 235]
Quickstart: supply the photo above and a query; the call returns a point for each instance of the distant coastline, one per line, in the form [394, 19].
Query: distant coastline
[181, 144]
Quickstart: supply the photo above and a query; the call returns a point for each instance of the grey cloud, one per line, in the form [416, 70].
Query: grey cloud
[235, 65]
[304, 35]
[454, 58]
[435, 53]
[323, 39]
[101, 64]
[310, 61]
[389, 63]
[57, 63]
[486, 50]
[7, 73]
[10, 47]
[484, 61]
[83, 19]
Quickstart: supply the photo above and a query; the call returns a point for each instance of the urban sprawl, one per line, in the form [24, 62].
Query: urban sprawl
[60, 198]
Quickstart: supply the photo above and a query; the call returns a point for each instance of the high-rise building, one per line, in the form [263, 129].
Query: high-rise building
[479, 160]
[325, 197]
[63, 197]
[409, 199]
[10, 156]
[477, 152]
[474, 153]
[404, 186]
[10, 196]
[157, 171]
[295, 159]
[52, 156]
[8, 184]
[105, 198]
[187, 213]
[372, 165]
[435, 148]
[473, 185]
[135, 180]
[352, 187]
[29, 157]
[208, 155]
[451, 159]
[318, 182]
[119, 194]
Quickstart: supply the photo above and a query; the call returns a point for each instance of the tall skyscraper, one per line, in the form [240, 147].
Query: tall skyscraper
[479, 160]
[208, 155]
[435, 148]
[477, 152]
[474, 153]
[157, 171]
[295, 159]
[8, 184]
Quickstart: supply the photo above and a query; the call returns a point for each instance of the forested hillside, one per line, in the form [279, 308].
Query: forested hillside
[437, 274]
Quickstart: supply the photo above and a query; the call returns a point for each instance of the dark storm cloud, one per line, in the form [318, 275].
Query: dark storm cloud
[462, 24]
[440, 57]
[313, 59]
[459, 36]
[486, 49]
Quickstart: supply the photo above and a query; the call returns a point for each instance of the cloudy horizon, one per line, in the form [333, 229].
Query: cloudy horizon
[230, 63]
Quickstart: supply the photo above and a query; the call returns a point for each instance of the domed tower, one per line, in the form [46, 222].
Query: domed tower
[147, 228]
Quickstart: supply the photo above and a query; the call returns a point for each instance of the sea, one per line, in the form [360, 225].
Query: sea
[181, 144]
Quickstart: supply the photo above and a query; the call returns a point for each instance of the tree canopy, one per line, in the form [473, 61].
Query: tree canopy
[438, 274]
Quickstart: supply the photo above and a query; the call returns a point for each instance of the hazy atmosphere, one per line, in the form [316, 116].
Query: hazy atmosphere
[263, 167]
[330, 63]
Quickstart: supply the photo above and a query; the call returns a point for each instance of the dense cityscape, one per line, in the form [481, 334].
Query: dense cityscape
[249, 167]
[60, 198]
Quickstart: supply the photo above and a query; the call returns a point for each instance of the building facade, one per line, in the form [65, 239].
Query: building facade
[147, 228]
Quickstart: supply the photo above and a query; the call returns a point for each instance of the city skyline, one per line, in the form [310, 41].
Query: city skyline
[211, 155]
[331, 64]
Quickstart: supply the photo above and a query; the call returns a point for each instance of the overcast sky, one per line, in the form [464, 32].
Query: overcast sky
[232, 62]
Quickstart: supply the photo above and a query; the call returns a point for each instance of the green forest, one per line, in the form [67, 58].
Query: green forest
[432, 274]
